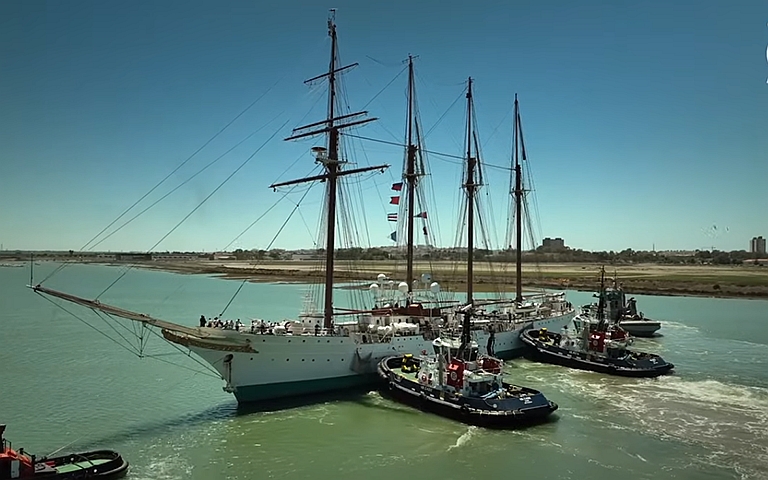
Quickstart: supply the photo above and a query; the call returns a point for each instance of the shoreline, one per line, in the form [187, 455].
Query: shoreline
[650, 279]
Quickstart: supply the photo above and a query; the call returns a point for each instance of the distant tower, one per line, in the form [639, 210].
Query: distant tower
[757, 245]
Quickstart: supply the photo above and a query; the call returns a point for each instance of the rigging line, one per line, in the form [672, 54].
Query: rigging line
[187, 160]
[183, 183]
[143, 341]
[301, 215]
[86, 323]
[431, 152]
[245, 162]
[289, 217]
[160, 359]
[320, 96]
[242, 284]
[110, 325]
[188, 354]
[259, 218]
[461, 94]
[268, 247]
[385, 86]
[301, 155]
[397, 64]
[488, 139]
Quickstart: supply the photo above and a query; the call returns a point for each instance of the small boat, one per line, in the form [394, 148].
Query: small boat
[97, 464]
[639, 326]
[457, 382]
[597, 346]
[624, 312]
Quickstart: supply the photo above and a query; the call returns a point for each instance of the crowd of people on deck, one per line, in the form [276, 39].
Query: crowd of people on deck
[257, 326]
[223, 324]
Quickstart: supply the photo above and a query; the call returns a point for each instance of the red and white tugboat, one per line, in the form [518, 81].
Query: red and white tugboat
[597, 346]
[459, 383]
[98, 464]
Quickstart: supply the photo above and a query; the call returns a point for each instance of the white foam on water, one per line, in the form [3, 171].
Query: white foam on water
[168, 468]
[726, 418]
[464, 438]
[673, 325]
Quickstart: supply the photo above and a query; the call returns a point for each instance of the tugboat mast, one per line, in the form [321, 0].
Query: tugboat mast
[601, 325]
[329, 158]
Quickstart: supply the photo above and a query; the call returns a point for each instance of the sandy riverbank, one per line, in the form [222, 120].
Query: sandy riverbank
[699, 280]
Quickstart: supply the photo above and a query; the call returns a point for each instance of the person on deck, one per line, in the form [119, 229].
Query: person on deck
[317, 329]
[543, 334]
[202, 320]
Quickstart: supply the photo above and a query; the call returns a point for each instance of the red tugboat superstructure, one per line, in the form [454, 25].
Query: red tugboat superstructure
[97, 464]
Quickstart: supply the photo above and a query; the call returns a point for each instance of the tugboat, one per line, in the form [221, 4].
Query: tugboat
[457, 382]
[97, 465]
[599, 347]
[624, 312]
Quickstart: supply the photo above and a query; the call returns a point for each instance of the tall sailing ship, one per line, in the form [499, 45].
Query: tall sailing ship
[497, 323]
[319, 352]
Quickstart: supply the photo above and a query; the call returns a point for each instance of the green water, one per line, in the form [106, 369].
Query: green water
[62, 382]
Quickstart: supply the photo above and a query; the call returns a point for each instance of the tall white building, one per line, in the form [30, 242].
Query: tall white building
[757, 245]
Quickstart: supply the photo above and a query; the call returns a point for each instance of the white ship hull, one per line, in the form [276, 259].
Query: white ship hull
[288, 365]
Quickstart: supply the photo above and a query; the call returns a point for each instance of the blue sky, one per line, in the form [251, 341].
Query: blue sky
[646, 123]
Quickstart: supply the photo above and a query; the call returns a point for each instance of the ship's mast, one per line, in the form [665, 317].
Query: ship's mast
[329, 158]
[518, 211]
[410, 178]
[470, 187]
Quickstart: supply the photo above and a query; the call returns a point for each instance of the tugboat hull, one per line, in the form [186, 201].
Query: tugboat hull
[98, 464]
[521, 406]
[634, 364]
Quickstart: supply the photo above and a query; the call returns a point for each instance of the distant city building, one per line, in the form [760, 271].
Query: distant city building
[757, 245]
[553, 244]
